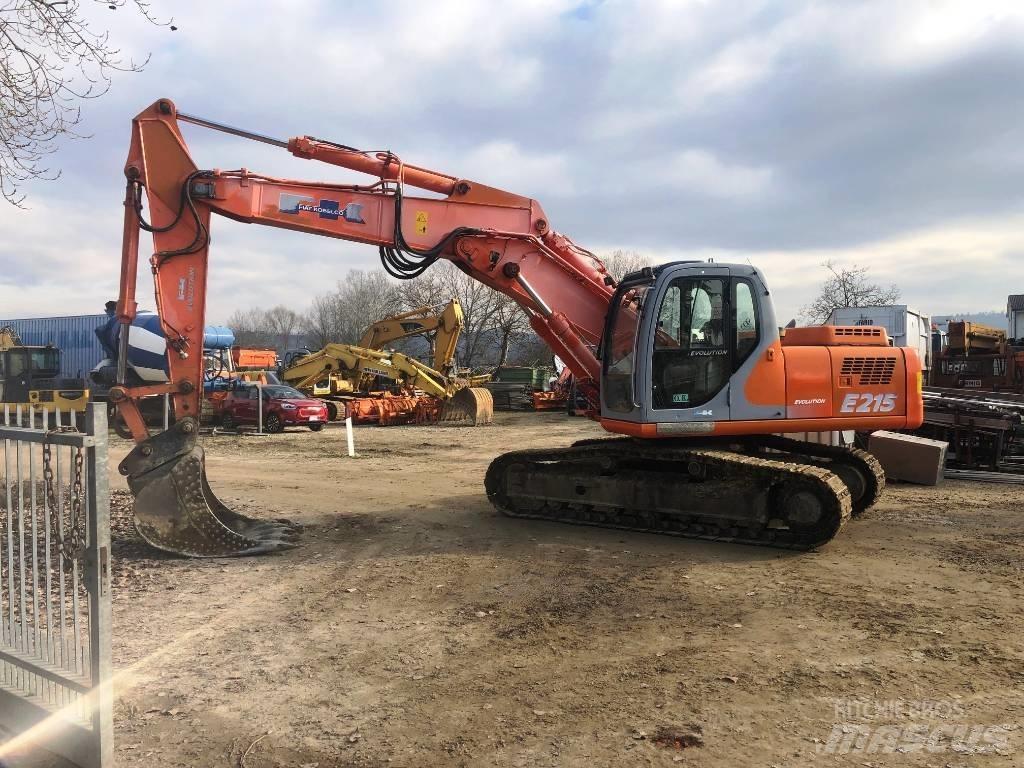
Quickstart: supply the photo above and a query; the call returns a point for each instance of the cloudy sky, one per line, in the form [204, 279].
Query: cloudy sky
[784, 133]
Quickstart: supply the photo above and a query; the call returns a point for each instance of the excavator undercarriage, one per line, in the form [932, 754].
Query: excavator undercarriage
[766, 491]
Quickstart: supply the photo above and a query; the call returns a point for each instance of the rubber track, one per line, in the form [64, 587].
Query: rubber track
[688, 525]
[799, 452]
[869, 466]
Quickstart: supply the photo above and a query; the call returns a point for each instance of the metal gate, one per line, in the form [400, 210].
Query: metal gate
[55, 618]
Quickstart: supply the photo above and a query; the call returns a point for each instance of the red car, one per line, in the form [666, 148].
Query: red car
[282, 407]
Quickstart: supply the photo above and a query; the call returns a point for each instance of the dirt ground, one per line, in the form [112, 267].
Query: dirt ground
[416, 626]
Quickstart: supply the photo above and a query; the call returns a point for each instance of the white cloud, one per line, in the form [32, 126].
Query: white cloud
[800, 130]
[925, 32]
[701, 173]
[506, 165]
[942, 270]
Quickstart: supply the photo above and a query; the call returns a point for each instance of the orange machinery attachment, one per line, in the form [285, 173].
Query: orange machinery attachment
[687, 352]
[252, 358]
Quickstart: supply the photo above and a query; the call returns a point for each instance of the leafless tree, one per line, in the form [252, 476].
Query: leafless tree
[532, 350]
[361, 298]
[283, 324]
[620, 263]
[512, 326]
[847, 287]
[492, 320]
[485, 310]
[251, 328]
[477, 307]
[52, 56]
[277, 327]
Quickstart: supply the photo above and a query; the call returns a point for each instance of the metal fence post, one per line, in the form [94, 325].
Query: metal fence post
[259, 407]
[98, 583]
[55, 638]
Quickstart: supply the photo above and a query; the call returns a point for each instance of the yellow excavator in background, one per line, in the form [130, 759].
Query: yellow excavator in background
[329, 373]
[345, 375]
[446, 325]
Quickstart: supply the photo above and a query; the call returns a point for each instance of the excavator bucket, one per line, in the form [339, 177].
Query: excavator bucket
[472, 405]
[176, 511]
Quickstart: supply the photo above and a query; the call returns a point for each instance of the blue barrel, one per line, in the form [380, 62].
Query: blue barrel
[218, 337]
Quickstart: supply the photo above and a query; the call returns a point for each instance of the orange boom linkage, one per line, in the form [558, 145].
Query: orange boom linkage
[691, 351]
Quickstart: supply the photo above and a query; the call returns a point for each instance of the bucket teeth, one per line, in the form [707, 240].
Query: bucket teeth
[472, 405]
[176, 511]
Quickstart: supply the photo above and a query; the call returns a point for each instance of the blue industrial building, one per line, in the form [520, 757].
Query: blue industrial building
[74, 335]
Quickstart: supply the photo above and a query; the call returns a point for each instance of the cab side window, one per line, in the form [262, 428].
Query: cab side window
[747, 332]
[668, 331]
[17, 362]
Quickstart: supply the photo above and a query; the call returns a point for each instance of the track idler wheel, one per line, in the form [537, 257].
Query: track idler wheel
[176, 511]
[810, 507]
[472, 406]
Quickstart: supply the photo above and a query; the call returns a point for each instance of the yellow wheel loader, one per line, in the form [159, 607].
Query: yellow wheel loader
[30, 377]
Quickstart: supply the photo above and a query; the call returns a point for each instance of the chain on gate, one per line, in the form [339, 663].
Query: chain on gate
[71, 542]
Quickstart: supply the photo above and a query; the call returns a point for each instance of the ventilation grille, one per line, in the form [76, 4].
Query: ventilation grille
[860, 331]
[871, 370]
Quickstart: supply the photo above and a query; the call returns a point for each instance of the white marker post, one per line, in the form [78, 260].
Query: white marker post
[348, 433]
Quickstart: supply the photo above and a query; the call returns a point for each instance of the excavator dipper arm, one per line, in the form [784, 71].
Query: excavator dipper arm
[344, 357]
[446, 325]
[501, 239]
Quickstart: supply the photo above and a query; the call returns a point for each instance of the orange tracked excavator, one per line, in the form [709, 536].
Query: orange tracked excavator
[683, 361]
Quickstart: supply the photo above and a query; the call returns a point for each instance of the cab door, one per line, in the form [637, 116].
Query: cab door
[690, 346]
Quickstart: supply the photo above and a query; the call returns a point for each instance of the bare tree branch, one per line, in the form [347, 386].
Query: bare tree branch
[360, 299]
[51, 58]
[620, 263]
[847, 287]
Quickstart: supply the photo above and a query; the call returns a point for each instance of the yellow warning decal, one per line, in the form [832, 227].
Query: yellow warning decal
[421, 222]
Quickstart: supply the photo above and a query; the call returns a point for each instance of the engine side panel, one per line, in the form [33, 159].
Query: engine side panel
[869, 382]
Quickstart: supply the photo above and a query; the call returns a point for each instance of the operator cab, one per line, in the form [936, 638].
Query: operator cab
[679, 341]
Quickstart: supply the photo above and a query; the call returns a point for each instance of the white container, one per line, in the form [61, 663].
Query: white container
[845, 437]
[906, 327]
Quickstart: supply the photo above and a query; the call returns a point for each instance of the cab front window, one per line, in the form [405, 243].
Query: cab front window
[691, 358]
